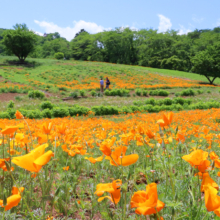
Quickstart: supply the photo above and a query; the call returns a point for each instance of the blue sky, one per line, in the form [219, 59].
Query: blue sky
[69, 16]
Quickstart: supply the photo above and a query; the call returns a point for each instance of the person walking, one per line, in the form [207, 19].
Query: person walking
[107, 82]
[101, 85]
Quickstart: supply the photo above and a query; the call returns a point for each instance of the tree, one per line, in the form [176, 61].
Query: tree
[81, 31]
[207, 62]
[59, 55]
[20, 41]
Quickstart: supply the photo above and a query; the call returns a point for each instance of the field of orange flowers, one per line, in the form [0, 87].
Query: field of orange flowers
[138, 166]
[56, 76]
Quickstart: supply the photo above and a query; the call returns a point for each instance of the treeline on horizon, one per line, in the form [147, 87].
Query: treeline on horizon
[145, 47]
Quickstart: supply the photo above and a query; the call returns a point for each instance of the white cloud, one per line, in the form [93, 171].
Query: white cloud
[165, 23]
[196, 19]
[38, 33]
[183, 30]
[69, 32]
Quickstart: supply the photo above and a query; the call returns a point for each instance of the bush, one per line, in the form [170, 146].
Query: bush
[47, 113]
[93, 93]
[208, 91]
[11, 104]
[138, 92]
[4, 115]
[150, 101]
[105, 110]
[36, 94]
[82, 93]
[163, 93]
[145, 93]
[59, 55]
[34, 114]
[74, 94]
[187, 92]
[11, 113]
[46, 105]
[60, 112]
[153, 92]
[107, 92]
[167, 101]
[199, 91]
[78, 110]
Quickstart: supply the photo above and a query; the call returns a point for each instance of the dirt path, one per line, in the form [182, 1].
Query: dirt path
[4, 97]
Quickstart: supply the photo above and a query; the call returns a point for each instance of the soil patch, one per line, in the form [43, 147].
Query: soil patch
[4, 97]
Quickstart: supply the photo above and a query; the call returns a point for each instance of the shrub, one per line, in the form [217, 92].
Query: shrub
[82, 93]
[199, 91]
[36, 94]
[187, 92]
[11, 104]
[78, 110]
[60, 112]
[145, 93]
[74, 94]
[153, 92]
[138, 103]
[34, 114]
[208, 91]
[93, 93]
[107, 92]
[11, 113]
[150, 101]
[138, 92]
[47, 113]
[167, 101]
[59, 55]
[4, 115]
[46, 105]
[179, 100]
[163, 93]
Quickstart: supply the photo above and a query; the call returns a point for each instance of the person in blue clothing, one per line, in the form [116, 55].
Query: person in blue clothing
[107, 82]
[101, 85]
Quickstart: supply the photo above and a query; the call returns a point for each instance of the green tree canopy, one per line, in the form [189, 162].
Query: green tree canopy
[207, 62]
[20, 41]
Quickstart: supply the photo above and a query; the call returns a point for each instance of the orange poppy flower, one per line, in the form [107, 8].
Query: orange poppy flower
[12, 201]
[198, 160]
[18, 115]
[213, 156]
[208, 181]
[166, 121]
[47, 127]
[118, 157]
[15, 190]
[212, 200]
[150, 134]
[147, 201]
[94, 160]
[106, 146]
[112, 188]
[34, 160]
[9, 130]
[66, 168]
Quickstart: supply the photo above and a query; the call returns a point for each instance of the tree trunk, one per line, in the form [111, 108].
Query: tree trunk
[210, 81]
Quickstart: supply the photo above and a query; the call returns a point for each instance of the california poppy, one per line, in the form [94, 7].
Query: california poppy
[34, 160]
[118, 157]
[112, 188]
[18, 115]
[9, 130]
[147, 201]
[12, 201]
